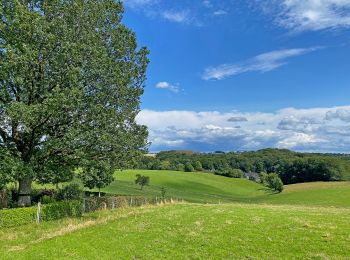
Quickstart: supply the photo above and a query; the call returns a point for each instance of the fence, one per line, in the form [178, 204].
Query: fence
[95, 203]
[76, 208]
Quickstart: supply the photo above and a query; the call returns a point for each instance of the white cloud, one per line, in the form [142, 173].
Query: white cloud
[298, 129]
[182, 16]
[139, 3]
[309, 15]
[167, 85]
[207, 4]
[220, 12]
[262, 63]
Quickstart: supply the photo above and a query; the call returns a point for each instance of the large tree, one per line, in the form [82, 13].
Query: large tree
[71, 77]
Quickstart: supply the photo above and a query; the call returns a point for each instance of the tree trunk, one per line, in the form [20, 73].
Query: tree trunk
[24, 191]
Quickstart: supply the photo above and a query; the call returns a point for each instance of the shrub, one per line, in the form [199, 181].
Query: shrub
[60, 210]
[189, 167]
[273, 181]
[228, 172]
[198, 166]
[70, 192]
[47, 199]
[16, 217]
[180, 167]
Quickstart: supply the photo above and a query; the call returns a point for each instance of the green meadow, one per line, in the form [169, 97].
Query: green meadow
[210, 188]
[220, 218]
[188, 231]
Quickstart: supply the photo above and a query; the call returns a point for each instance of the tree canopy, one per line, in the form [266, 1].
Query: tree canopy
[292, 167]
[71, 77]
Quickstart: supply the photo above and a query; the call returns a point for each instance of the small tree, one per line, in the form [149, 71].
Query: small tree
[180, 167]
[189, 167]
[198, 166]
[97, 177]
[142, 180]
[273, 181]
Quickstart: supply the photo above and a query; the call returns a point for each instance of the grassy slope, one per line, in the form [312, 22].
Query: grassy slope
[193, 187]
[188, 231]
[335, 194]
[202, 187]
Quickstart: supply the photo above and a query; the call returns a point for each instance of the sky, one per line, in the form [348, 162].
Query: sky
[237, 75]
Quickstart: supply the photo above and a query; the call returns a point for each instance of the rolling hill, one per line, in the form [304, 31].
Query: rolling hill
[209, 188]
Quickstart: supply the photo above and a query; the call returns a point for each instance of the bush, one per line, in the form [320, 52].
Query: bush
[228, 172]
[198, 166]
[70, 192]
[16, 217]
[22, 216]
[60, 210]
[180, 167]
[47, 199]
[273, 181]
[189, 167]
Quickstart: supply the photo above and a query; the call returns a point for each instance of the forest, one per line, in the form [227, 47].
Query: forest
[292, 167]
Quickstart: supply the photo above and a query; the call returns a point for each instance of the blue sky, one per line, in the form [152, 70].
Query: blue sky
[245, 75]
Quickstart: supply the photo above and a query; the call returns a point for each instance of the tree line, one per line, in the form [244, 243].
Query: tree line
[292, 167]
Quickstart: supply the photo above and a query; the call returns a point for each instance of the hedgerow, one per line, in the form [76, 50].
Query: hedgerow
[53, 211]
[17, 217]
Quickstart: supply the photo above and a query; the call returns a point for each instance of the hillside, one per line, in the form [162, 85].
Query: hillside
[334, 194]
[192, 187]
[184, 231]
[209, 188]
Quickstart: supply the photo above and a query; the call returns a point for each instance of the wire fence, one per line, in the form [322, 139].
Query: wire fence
[91, 204]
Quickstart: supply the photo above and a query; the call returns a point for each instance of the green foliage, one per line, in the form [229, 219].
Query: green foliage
[142, 180]
[69, 192]
[47, 199]
[63, 209]
[71, 80]
[180, 167]
[198, 166]
[228, 172]
[273, 181]
[292, 167]
[16, 217]
[97, 176]
[163, 192]
[189, 167]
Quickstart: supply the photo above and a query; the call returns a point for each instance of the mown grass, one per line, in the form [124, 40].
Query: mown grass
[188, 231]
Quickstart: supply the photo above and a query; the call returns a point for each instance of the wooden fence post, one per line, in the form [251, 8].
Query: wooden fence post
[38, 213]
[84, 205]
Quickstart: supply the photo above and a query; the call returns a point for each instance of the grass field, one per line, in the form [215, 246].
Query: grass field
[193, 187]
[209, 188]
[188, 231]
[305, 221]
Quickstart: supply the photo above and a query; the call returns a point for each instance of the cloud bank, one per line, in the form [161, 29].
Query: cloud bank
[314, 129]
